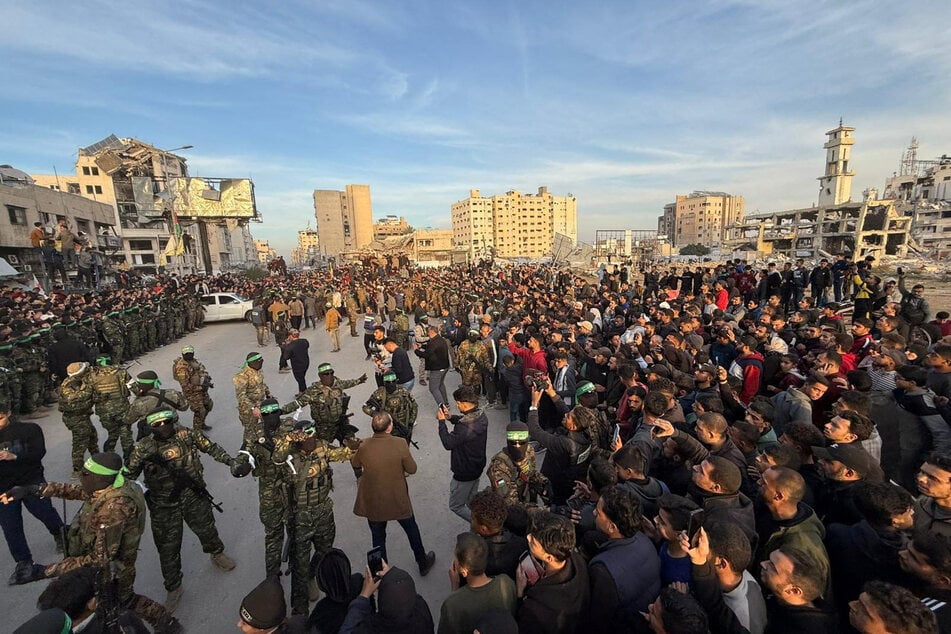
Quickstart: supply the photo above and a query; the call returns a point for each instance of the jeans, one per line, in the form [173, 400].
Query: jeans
[11, 521]
[459, 495]
[437, 385]
[515, 408]
[409, 526]
[408, 386]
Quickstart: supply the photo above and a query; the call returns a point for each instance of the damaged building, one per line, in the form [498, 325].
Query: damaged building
[835, 225]
[921, 190]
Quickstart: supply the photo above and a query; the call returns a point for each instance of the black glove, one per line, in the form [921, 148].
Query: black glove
[20, 492]
[240, 469]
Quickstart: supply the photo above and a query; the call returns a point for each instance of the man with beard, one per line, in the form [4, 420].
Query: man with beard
[309, 485]
[195, 382]
[512, 472]
[106, 529]
[398, 402]
[169, 456]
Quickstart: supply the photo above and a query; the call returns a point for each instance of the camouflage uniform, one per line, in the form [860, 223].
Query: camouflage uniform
[145, 404]
[111, 396]
[194, 380]
[151, 329]
[328, 407]
[161, 322]
[30, 365]
[599, 430]
[399, 331]
[113, 333]
[9, 381]
[314, 521]
[471, 360]
[353, 312]
[108, 527]
[171, 503]
[133, 333]
[189, 314]
[400, 405]
[250, 389]
[76, 402]
[272, 490]
[517, 483]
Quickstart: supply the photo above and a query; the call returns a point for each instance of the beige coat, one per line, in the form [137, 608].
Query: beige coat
[382, 493]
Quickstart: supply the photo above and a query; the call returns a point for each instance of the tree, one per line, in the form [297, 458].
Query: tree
[694, 249]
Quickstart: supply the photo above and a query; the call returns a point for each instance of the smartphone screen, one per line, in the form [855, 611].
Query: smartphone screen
[527, 564]
[375, 560]
[616, 435]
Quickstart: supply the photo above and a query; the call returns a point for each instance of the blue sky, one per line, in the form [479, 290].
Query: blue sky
[623, 104]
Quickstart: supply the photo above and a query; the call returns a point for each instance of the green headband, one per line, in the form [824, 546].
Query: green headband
[270, 408]
[154, 382]
[254, 357]
[163, 415]
[103, 360]
[516, 435]
[324, 367]
[389, 376]
[94, 467]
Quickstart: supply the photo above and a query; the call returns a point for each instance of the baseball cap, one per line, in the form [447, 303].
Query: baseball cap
[604, 351]
[585, 324]
[853, 456]
[709, 368]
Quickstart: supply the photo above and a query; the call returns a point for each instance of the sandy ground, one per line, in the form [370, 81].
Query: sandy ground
[212, 597]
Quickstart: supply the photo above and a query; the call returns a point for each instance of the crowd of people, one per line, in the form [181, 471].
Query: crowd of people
[725, 449]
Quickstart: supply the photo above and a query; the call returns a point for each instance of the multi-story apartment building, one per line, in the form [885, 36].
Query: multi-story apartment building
[264, 251]
[308, 247]
[513, 225]
[701, 217]
[391, 226]
[23, 203]
[344, 219]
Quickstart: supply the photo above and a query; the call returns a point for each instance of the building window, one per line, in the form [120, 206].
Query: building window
[140, 245]
[72, 188]
[17, 215]
[89, 189]
[85, 170]
[82, 225]
[95, 171]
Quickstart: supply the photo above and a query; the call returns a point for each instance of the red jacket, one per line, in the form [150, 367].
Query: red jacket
[530, 360]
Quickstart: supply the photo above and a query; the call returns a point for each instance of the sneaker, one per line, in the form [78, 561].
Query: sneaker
[427, 564]
[223, 562]
[173, 598]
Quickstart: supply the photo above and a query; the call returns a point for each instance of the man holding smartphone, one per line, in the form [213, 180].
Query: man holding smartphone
[466, 442]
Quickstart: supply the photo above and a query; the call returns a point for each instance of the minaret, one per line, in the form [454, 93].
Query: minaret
[835, 186]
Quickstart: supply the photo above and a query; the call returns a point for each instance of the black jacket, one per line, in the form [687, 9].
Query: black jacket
[792, 619]
[63, 352]
[860, 553]
[296, 352]
[557, 604]
[466, 442]
[27, 442]
[402, 366]
[435, 353]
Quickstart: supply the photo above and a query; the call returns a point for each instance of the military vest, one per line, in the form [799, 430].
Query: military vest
[82, 533]
[108, 384]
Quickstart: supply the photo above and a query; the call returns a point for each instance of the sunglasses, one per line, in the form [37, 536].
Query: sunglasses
[518, 443]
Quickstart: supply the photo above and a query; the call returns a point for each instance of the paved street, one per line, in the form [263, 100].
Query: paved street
[212, 597]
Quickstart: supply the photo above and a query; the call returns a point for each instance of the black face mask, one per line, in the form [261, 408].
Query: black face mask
[91, 482]
[189, 357]
[271, 422]
[309, 445]
[517, 452]
[165, 431]
[390, 386]
[473, 338]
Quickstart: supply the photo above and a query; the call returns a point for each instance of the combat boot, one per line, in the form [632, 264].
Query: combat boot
[27, 572]
[427, 564]
[222, 561]
[171, 626]
[173, 598]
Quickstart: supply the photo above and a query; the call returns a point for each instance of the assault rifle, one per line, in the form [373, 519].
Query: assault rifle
[289, 553]
[185, 481]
